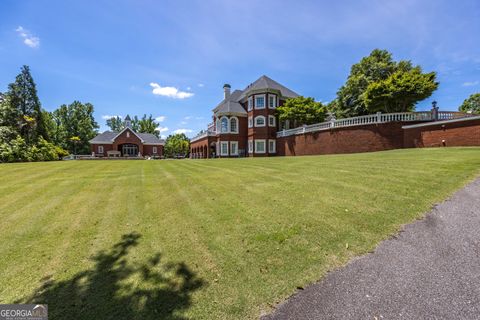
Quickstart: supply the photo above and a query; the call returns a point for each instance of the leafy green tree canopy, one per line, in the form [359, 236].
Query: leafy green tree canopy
[377, 83]
[177, 144]
[471, 104]
[115, 123]
[143, 125]
[301, 110]
[74, 120]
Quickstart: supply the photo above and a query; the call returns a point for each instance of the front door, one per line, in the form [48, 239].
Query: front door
[130, 150]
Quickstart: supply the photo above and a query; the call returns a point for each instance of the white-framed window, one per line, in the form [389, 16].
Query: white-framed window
[272, 101]
[234, 124]
[260, 102]
[100, 149]
[154, 150]
[224, 148]
[259, 146]
[234, 148]
[259, 121]
[128, 134]
[224, 125]
[250, 146]
[250, 122]
[272, 146]
[217, 124]
[250, 103]
[271, 121]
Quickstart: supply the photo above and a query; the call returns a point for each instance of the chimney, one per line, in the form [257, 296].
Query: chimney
[226, 90]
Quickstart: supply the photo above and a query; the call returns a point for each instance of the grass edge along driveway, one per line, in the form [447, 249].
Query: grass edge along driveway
[204, 239]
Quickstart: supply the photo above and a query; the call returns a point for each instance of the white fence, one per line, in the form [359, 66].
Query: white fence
[373, 119]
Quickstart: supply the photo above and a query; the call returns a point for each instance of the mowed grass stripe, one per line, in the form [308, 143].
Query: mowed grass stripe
[251, 229]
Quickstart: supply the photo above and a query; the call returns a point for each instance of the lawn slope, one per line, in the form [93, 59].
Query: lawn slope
[204, 239]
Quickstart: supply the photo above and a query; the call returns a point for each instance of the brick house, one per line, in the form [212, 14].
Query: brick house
[126, 143]
[244, 122]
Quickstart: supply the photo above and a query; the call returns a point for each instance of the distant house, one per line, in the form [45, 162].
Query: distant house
[126, 143]
[244, 122]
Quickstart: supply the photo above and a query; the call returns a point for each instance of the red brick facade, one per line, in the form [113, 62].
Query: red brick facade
[110, 141]
[447, 134]
[378, 137]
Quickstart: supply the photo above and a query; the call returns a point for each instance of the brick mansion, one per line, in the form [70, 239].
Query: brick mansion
[245, 124]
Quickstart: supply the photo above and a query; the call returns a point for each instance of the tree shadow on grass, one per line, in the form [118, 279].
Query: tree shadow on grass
[107, 291]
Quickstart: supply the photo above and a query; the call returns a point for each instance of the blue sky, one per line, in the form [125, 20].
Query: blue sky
[171, 58]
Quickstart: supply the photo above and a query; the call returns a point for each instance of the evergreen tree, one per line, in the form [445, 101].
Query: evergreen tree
[22, 96]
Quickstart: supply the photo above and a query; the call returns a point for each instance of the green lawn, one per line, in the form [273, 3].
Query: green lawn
[207, 239]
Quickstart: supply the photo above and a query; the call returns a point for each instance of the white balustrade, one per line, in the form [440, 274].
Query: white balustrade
[373, 119]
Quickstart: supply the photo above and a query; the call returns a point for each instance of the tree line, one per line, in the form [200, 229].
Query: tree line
[142, 125]
[30, 133]
[375, 84]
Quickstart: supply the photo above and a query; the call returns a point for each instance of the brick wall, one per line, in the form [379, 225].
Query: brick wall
[365, 138]
[378, 137]
[461, 133]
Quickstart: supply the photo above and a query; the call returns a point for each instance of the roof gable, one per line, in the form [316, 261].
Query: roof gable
[125, 129]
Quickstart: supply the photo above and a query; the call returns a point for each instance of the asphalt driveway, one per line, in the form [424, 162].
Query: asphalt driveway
[431, 270]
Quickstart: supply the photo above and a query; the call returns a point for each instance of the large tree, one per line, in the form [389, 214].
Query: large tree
[115, 123]
[378, 83]
[22, 97]
[471, 104]
[301, 110]
[148, 125]
[177, 144]
[74, 120]
[400, 91]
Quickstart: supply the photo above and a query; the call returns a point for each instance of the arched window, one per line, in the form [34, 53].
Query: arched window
[234, 124]
[224, 125]
[260, 121]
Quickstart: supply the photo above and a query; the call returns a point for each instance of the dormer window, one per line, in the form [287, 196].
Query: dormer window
[260, 102]
[272, 101]
[250, 104]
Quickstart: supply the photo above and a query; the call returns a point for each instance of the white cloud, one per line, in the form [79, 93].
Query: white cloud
[201, 85]
[107, 116]
[470, 83]
[160, 118]
[162, 129]
[170, 92]
[188, 117]
[183, 122]
[28, 38]
[183, 131]
[189, 88]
